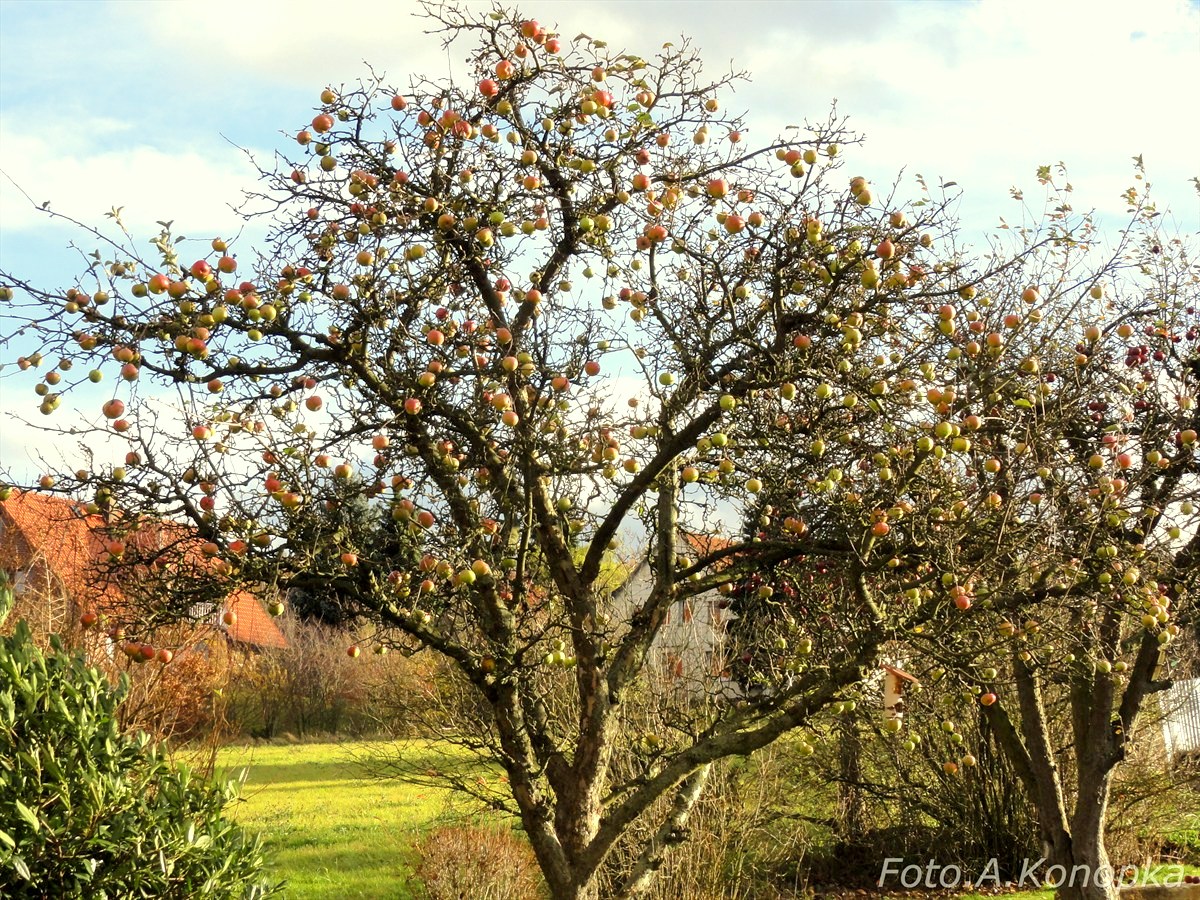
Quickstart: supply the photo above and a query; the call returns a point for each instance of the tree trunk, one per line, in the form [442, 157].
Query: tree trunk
[1088, 857]
[851, 813]
[1075, 858]
[576, 819]
[574, 891]
[1085, 874]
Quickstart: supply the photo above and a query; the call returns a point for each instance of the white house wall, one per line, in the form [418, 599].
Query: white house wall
[689, 649]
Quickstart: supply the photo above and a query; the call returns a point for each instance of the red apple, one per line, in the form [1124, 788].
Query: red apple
[717, 188]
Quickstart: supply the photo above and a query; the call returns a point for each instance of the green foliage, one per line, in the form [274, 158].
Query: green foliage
[1184, 843]
[86, 811]
[323, 589]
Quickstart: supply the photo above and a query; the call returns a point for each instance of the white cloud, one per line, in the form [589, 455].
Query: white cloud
[982, 93]
[305, 42]
[31, 449]
[979, 93]
[47, 160]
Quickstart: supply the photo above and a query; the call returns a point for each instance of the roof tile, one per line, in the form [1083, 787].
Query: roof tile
[71, 543]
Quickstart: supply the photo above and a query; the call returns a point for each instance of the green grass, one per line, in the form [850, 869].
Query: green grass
[330, 830]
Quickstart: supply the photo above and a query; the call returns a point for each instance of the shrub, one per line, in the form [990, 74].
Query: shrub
[1151, 813]
[746, 838]
[176, 702]
[314, 687]
[309, 687]
[895, 797]
[481, 862]
[86, 811]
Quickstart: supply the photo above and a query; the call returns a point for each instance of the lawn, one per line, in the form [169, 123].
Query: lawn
[330, 830]
[333, 831]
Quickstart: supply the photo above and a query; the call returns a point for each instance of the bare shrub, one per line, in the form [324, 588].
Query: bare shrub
[407, 693]
[745, 837]
[308, 687]
[1152, 801]
[174, 701]
[314, 686]
[896, 799]
[741, 836]
[483, 862]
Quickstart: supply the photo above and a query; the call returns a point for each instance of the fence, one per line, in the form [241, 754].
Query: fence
[1181, 717]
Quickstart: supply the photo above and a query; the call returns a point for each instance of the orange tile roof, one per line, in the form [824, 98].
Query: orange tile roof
[71, 543]
[705, 544]
[59, 534]
[253, 625]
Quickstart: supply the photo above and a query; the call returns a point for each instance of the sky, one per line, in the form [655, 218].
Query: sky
[153, 105]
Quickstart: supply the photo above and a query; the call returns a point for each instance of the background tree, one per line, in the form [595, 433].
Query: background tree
[529, 314]
[344, 523]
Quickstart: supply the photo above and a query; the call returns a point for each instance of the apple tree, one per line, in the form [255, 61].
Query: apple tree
[531, 313]
[1041, 487]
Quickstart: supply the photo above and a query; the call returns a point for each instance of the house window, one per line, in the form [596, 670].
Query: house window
[672, 665]
[687, 610]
